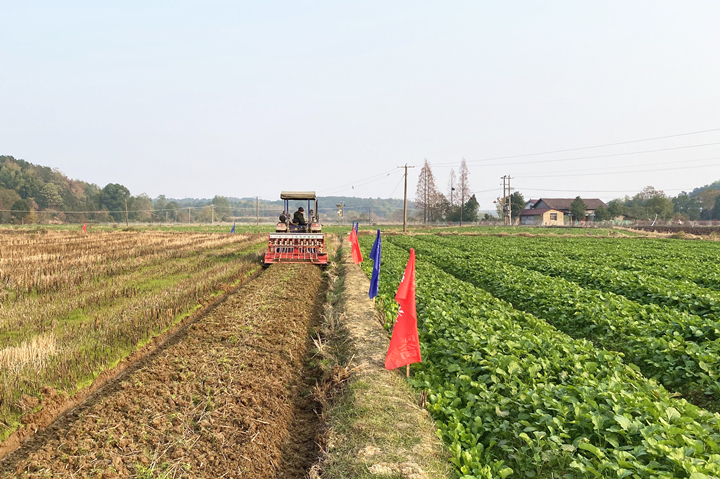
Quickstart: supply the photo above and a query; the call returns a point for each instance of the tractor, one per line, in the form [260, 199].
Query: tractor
[297, 238]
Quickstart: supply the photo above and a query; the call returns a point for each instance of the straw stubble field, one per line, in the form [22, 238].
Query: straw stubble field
[229, 398]
[72, 306]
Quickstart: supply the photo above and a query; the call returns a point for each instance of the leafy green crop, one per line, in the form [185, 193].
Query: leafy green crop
[584, 264]
[514, 397]
[660, 342]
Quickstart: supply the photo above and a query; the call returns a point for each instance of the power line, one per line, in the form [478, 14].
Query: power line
[586, 191]
[587, 147]
[600, 156]
[396, 186]
[553, 175]
[363, 181]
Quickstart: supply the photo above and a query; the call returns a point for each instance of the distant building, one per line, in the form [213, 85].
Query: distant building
[563, 204]
[542, 217]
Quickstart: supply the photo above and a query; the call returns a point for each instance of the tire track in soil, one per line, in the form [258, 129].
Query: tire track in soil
[229, 397]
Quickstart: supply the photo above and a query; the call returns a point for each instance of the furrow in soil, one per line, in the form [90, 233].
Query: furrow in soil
[231, 398]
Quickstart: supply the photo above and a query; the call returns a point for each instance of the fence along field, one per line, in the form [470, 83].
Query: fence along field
[73, 305]
[514, 396]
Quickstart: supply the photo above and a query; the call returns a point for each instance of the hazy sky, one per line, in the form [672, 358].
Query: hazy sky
[193, 99]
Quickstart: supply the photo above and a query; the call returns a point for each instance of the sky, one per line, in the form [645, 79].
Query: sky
[244, 99]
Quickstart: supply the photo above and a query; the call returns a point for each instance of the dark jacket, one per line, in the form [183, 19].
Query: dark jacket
[299, 218]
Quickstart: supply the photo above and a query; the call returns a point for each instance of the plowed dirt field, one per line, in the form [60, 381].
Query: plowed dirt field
[229, 397]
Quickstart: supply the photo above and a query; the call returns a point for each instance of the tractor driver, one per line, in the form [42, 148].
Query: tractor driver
[299, 217]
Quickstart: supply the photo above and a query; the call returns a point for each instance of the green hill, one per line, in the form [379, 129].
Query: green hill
[32, 193]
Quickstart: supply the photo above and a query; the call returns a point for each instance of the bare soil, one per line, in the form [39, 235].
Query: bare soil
[230, 397]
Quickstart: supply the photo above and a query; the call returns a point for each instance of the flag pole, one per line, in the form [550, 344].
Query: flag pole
[407, 371]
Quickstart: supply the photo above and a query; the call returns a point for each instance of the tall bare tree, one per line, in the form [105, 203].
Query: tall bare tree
[427, 194]
[452, 186]
[463, 186]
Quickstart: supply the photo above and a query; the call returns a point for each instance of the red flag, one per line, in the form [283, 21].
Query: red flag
[405, 343]
[356, 253]
[84, 227]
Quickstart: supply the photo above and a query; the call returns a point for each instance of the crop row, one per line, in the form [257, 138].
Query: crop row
[654, 341]
[576, 265]
[683, 261]
[513, 396]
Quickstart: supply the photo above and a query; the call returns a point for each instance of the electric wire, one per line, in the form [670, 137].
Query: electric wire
[585, 147]
[555, 160]
[554, 175]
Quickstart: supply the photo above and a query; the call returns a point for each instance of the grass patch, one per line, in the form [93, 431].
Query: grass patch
[376, 422]
[375, 427]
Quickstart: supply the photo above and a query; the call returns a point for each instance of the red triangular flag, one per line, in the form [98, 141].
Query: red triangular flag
[405, 343]
[356, 253]
[84, 227]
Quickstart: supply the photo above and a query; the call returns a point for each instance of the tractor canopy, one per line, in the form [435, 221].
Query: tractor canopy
[298, 195]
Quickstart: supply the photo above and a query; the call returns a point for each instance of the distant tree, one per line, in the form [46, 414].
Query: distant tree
[102, 216]
[651, 203]
[463, 188]
[205, 215]
[50, 197]
[21, 209]
[223, 210]
[712, 186]
[602, 214]
[141, 208]
[427, 194]
[615, 209]
[470, 210]
[716, 209]
[445, 210]
[687, 205]
[113, 198]
[578, 209]
[452, 186]
[650, 192]
[707, 202]
[7, 200]
[517, 202]
[172, 208]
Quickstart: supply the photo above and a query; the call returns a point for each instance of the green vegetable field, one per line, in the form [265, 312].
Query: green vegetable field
[566, 357]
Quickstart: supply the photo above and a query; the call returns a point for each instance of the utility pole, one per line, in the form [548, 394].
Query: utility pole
[188, 215]
[371, 213]
[405, 197]
[126, 214]
[212, 214]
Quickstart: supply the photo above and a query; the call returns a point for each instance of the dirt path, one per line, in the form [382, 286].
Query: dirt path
[228, 399]
[377, 429]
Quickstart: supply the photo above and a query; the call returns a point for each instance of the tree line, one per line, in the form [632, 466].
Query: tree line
[32, 193]
[432, 205]
[458, 205]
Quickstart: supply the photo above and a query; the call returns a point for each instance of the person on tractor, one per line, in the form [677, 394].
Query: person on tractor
[299, 217]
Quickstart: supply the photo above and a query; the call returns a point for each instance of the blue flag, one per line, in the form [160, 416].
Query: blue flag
[356, 226]
[233, 228]
[375, 256]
